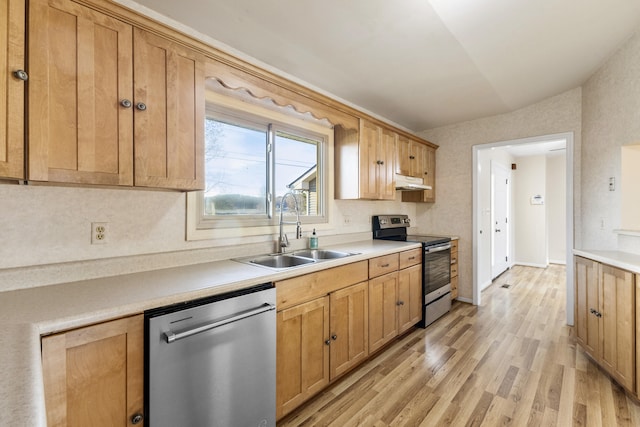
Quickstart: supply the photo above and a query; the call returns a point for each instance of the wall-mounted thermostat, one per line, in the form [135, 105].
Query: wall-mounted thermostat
[537, 200]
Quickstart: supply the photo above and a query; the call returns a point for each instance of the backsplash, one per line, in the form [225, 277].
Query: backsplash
[46, 233]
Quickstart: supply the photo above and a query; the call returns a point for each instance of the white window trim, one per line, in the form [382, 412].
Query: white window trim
[241, 229]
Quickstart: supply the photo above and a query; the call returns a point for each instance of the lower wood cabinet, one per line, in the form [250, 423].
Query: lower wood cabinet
[409, 297]
[93, 376]
[302, 355]
[605, 318]
[383, 310]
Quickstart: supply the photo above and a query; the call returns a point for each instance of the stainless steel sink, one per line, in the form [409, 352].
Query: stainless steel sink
[320, 254]
[294, 259]
[280, 261]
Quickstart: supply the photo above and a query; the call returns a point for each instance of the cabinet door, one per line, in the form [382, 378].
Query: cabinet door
[586, 289]
[369, 159]
[80, 70]
[403, 152]
[349, 328]
[169, 114]
[94, 376]
[302, 355]
[617, 325]
[383, 321]
[418, 158]
[387, 168]
[12, 33]
[409, 297]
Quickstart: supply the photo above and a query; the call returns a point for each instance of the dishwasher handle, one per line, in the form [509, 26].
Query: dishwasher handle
[173, 336]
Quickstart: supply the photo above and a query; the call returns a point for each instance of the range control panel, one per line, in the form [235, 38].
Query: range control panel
[382, 222]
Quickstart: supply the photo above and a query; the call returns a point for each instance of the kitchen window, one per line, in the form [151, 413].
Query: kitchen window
[251, 161]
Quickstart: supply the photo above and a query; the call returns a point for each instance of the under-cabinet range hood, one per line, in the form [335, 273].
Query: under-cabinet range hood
[410, 183]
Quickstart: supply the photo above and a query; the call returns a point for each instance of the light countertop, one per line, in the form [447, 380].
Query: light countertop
[623, 260]
[29, 313]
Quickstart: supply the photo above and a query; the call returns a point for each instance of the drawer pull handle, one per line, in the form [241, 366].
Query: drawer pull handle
[384, 265]
[412, 257]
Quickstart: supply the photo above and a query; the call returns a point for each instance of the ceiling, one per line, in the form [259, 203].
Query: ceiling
[421, 63]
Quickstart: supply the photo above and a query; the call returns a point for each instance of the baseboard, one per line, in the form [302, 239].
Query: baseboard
[463, 299]
[557, 261]
[486, 284]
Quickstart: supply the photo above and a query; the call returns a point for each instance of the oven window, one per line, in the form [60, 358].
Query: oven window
[437, 270]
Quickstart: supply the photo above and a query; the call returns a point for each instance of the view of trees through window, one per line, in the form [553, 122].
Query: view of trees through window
[238, 169]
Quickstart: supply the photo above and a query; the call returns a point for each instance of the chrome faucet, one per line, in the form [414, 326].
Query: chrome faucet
[283, 241]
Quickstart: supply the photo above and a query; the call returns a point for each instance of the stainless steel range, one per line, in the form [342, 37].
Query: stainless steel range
[436, 263]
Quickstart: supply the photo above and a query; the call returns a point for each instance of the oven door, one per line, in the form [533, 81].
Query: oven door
[437, 269]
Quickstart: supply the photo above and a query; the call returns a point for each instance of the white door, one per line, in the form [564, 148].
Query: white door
[500, 184]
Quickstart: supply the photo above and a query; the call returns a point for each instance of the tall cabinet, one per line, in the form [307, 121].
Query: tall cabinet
[12, 78]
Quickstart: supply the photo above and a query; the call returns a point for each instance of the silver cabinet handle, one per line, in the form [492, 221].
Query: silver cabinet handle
[141, 106]
[137, 419]
[126, 103]
[173, 336]
[21, 74]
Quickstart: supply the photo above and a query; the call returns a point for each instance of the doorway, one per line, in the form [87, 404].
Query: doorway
[487, 246]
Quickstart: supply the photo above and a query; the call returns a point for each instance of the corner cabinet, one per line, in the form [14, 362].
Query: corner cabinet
[605, 318]
[373, 149]
[94, 376]
[111, 104]
[12, 86]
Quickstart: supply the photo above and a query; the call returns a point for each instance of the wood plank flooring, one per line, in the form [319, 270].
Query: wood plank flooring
[512, 361]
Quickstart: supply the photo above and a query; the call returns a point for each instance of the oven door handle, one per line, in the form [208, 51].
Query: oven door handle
[437, 249]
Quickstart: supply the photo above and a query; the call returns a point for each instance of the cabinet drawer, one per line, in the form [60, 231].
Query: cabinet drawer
[383, 265]
[308, 287]
[409, 258]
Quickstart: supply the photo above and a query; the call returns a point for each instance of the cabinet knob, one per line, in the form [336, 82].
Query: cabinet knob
[126, 103]
[426, 173]
[328, 342]
[21, 74]
[137, 418]
[334, 337]
[412, 157]
[141, 106]
[400, 303]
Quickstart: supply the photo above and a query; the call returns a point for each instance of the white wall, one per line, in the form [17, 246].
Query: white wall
[452, 212]
[556, 204]
[530, 220]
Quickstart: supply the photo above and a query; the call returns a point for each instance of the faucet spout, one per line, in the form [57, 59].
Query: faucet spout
[283, 240]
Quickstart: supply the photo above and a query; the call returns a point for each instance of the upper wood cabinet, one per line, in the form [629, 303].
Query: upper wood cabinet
[85, 96]
[373, 149]
[81, 65]
[426, 169]
[169, 114]
[94, 376]
[410, 157]
[12, 36]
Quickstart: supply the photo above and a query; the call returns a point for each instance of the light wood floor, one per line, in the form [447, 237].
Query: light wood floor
[512, 361]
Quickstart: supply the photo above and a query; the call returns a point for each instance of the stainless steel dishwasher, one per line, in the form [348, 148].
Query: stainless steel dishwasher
[212, 362]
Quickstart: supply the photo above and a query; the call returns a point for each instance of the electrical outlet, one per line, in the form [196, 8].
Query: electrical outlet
[99, 233]
[347, 219]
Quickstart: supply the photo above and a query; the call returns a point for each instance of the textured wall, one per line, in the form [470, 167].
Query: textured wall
[452, 212]
[611, 102]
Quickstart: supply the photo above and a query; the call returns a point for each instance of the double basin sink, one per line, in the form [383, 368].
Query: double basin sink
[295, 259]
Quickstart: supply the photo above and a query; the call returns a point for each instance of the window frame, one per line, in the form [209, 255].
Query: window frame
[234, 111]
